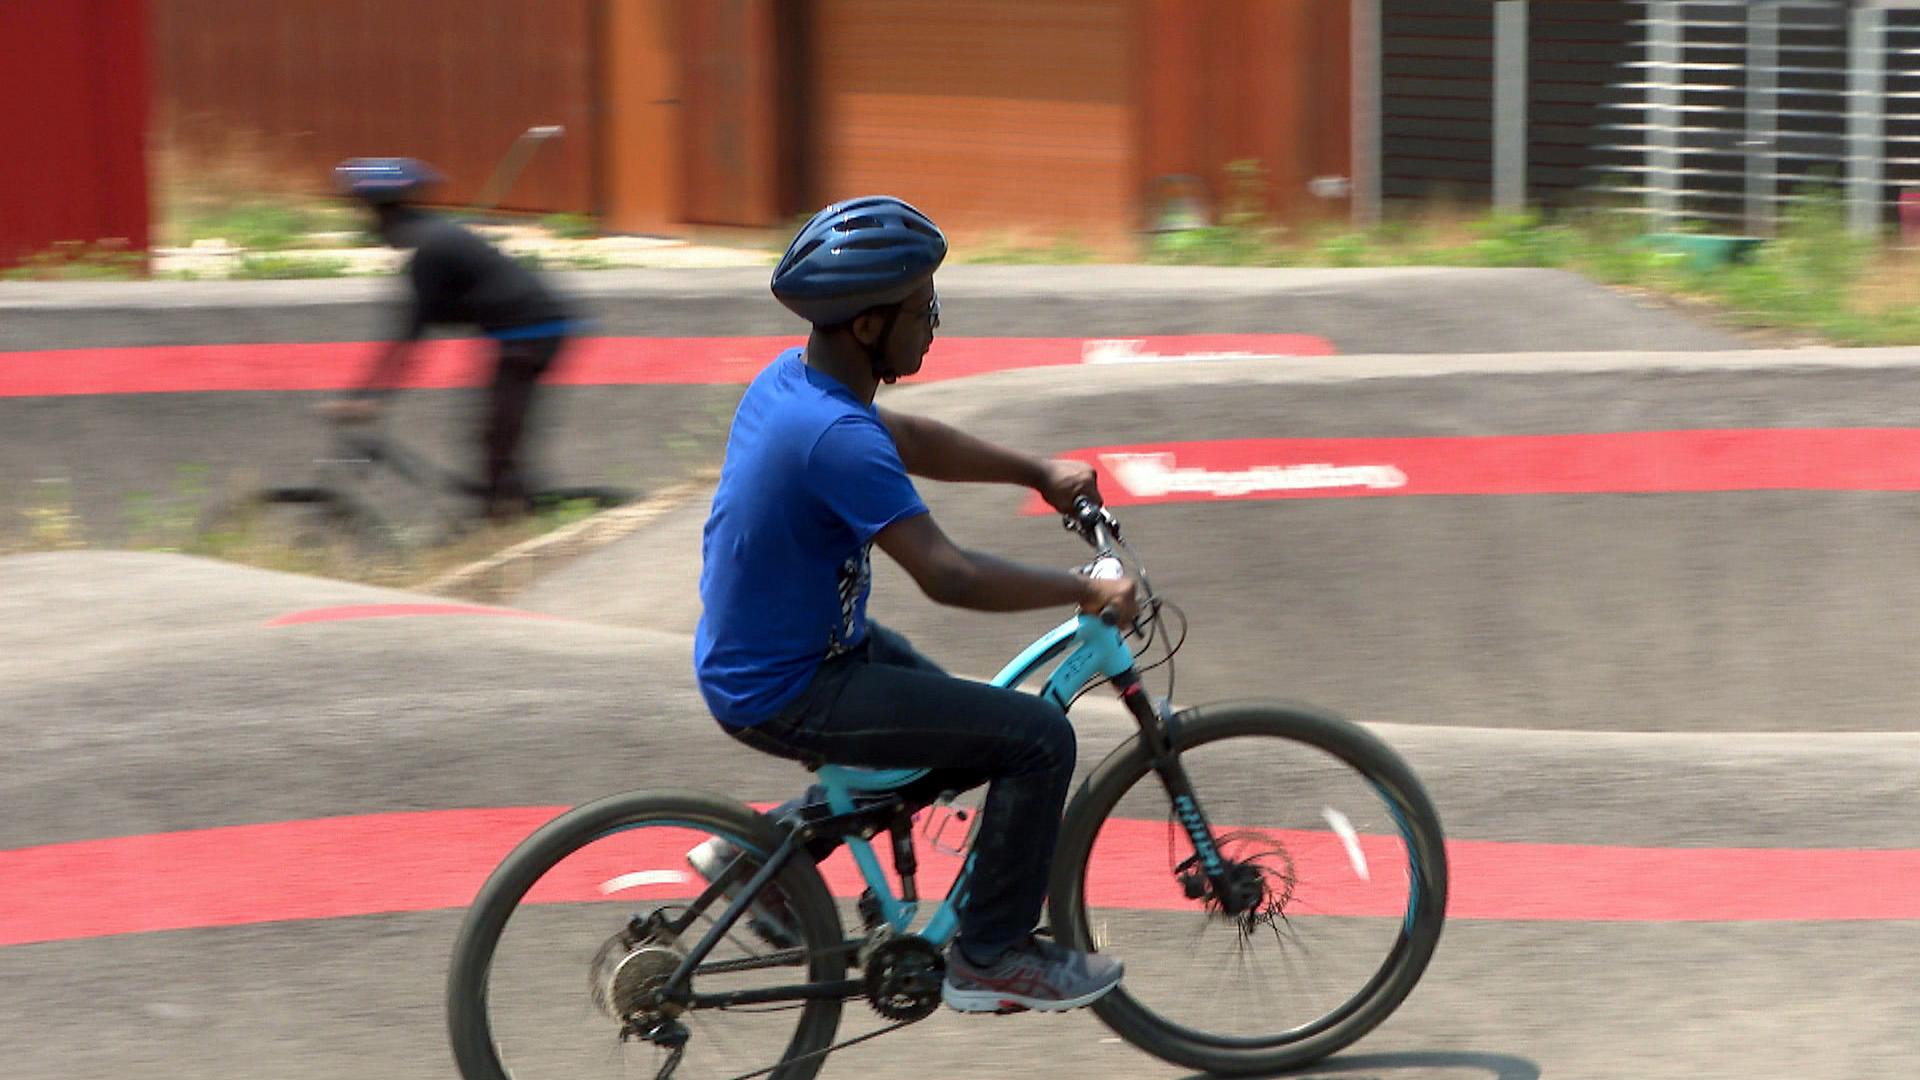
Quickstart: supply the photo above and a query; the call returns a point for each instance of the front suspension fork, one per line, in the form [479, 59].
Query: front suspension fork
[1157, 733]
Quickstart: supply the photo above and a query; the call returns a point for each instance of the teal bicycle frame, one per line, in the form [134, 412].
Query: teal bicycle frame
[1094, 649]
[1101, 653]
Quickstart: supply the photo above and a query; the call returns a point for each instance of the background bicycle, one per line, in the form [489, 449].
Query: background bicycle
[372, 496]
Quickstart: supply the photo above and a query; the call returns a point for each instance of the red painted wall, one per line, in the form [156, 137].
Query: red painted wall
[73, 104]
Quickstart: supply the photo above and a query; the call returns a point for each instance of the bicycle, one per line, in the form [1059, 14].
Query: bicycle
[1357, 871]
[368, 468]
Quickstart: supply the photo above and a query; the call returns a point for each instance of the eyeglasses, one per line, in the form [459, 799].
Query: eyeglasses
[931, 314]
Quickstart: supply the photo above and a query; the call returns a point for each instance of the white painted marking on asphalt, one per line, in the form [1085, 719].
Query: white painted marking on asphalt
[1130, 351]
[1156, 475]
[1349, 839]
[644, 877]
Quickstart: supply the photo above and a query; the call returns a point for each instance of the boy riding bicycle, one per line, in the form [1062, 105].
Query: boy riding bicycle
[814, 476]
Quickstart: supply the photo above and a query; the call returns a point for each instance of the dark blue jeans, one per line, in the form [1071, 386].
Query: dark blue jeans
[886, 706]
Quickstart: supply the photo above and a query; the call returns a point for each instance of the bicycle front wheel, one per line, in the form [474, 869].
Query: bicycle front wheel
[1349, 862]
[598, 907]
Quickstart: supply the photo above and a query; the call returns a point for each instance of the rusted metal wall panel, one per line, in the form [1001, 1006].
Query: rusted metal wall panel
[731, 148]
[303, 83]
[74, 97]
[1262, 80]
[641, 115]
[986, 114]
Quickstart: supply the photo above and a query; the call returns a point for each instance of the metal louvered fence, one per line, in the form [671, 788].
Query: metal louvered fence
[1682, 110]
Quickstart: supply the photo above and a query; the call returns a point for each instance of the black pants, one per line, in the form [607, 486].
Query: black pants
[516, 376]
[887, 706]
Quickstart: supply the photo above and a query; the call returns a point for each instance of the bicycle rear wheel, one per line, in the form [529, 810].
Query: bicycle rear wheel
[553, 954]
[1351, 863]
[318, 522]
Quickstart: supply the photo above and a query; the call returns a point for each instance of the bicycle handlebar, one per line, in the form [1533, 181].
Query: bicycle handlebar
[1094, 524]
[1099, 529]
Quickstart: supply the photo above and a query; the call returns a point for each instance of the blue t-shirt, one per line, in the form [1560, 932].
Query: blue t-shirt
[811, 474]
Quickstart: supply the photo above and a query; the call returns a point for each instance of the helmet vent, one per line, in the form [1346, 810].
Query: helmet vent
[802, 252]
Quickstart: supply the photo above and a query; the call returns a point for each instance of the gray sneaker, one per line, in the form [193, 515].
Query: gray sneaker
[1035, 974]
[767, 915]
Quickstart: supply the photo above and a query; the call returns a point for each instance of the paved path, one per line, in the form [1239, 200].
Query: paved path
[1695, 706]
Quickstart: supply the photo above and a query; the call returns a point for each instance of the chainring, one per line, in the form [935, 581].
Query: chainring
[903, 978]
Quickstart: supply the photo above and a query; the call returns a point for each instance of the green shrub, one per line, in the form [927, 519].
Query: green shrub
[263, 223]
[570, 226]
[289, 266]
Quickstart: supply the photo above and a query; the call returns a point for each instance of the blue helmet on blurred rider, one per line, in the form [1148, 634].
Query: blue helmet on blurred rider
[384, 180]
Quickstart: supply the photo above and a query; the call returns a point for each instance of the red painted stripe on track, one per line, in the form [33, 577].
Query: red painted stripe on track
[353, 612]
[601, 361]
[1762, 459]
[339, 867]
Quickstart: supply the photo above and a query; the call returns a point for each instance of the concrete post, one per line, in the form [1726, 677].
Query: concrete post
[1510, 106]
[1763, 118]
[1664, 119]
[1866, 117]
[1368, 42]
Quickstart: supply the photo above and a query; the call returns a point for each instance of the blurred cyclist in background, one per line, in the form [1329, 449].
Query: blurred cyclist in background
[455, 278]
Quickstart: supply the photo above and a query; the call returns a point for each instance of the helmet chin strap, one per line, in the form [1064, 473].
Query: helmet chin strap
[877, 352]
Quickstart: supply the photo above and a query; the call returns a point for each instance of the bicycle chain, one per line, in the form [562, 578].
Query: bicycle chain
[890, 1029]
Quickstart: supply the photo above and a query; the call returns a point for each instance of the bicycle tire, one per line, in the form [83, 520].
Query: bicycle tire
[1364, 753]
[337, 518]
[469, 1025]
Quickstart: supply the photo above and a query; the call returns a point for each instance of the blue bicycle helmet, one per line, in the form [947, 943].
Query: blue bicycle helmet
[854, 255]
[384, 179]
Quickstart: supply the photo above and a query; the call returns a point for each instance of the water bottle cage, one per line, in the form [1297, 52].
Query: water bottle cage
[947, 828]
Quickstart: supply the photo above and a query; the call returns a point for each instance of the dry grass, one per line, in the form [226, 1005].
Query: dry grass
[1890, 283]
[252, 544]
[489, 564]
[1446, 223]
[1040, 246]
[233, 185]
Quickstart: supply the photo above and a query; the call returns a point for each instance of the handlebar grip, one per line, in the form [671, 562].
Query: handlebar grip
[1092, 521]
